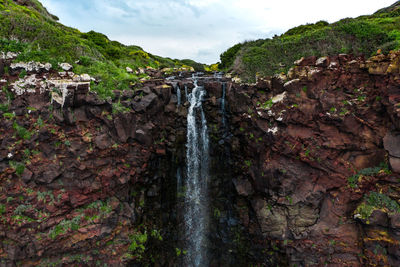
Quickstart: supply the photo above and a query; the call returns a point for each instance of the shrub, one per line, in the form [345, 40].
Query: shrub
[65, 226]
[21, 131]
[18, 167]
[137, 245]
[360, 36]
[353, 180]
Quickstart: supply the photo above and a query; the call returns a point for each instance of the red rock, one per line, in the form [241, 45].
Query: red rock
[161, 151]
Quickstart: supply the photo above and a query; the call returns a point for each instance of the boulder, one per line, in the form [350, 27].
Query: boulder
[103, 141]
[395, 164]
[31, 67]
[65, 66]
[272, 220]
[145, 103]
[322, 62]
[243, 187]
[378, 217]
[51, 173]
[391, 142]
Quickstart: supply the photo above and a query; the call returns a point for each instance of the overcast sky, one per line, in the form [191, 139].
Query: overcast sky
[200, 29]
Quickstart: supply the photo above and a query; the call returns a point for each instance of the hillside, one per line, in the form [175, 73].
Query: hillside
[358, 36]
[28, 28]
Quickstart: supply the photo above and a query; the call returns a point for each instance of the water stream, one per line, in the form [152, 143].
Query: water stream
[178, 93]
[223, 105]
[197, 172]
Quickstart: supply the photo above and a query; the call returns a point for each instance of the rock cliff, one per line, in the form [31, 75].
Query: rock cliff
[304, 167]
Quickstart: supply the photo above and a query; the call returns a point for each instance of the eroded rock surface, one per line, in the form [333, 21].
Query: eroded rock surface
[304, 170]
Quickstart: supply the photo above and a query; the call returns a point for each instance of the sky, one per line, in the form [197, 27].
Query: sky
[200, 29]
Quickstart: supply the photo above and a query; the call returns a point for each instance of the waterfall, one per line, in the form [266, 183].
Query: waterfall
[196, 194]
[178, 93]
[186, 93]
[223, 104]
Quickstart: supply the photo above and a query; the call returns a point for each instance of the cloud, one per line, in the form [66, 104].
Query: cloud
[199, 29]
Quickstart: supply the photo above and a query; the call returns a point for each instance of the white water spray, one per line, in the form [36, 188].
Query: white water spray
[197, 172]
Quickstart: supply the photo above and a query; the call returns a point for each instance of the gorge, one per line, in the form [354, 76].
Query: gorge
[96, 189]
[168, 166]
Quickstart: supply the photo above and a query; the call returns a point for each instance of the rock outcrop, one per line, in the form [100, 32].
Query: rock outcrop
[304, 168]
[321, 192]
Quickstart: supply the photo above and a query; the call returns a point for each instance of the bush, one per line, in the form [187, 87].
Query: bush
[229, 56]
[360, 36]
[18, 167]
[22, 132]
[35, 34]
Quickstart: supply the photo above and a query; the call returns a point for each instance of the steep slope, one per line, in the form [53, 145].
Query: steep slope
[359, 36]
[27, 28]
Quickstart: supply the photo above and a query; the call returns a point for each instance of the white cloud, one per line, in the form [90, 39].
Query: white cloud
[200, 29]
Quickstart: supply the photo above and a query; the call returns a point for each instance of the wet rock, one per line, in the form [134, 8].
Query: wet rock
[243, 187]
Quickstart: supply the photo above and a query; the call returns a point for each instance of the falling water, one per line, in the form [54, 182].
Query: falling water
[223, 105]
[186, 93]
[178, 93]
[196, 195]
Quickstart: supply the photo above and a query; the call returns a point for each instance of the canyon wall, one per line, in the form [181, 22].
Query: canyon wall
[303, 167]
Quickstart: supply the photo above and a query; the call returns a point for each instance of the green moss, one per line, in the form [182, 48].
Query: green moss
[354, 179]
[377, 201]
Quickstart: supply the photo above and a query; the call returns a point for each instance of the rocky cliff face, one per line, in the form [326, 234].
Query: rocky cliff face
[304, 169]
[310, 152]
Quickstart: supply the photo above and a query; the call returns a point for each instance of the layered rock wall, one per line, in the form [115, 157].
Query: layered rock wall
[311, 152]
[304, 171]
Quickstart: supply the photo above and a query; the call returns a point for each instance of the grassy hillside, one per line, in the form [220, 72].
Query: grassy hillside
[27, 27]
[360, 36]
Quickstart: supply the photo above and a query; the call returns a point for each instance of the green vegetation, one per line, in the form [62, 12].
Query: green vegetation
[377, 201]
[359, 36]
[34, 33]
[65, 226]
[18, 167]
[22, 132]
[117, 107]
[354, 179]
[97, 210]
[2, 209]
[137, 245]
